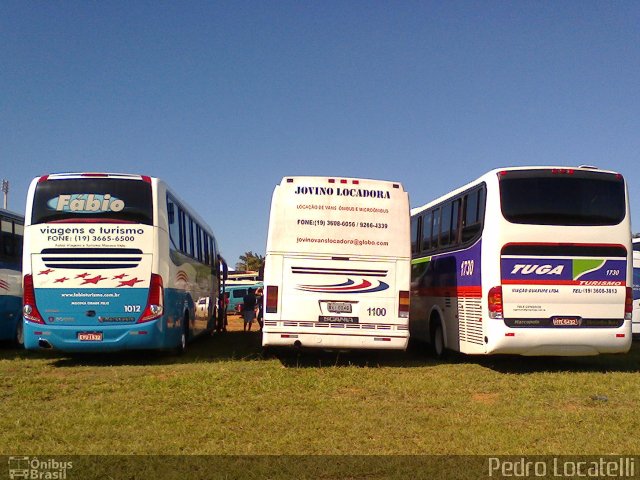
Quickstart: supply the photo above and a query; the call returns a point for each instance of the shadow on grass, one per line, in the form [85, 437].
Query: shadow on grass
[292, 358]
[521, 365]
[205, 348]
[228, 346]
[240, 346]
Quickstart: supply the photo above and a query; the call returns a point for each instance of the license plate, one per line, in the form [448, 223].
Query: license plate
[339, 307]
[327, 319]
[566, 321]
[90, 336]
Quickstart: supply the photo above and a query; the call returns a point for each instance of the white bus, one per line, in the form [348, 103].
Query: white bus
[636, 287]
[529, 260]
[337, 265]
[11, 231]
[115, 261]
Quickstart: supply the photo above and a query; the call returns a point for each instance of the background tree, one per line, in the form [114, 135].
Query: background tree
[250, 261]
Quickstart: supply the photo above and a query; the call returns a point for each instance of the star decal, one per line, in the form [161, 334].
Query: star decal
[119, 277]
[61, 280]
[82, 275]
[45, 272]
[129, 283]
[93, 280]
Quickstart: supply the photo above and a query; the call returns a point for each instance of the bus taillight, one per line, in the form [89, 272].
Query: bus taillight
[403, 304]
[29, 308]
[628, 304]
[271, 305]
[155, 302]
[495, 303]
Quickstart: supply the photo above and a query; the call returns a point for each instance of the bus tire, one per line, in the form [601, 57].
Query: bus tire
[19, 338]
[436, 338]
[184, 334]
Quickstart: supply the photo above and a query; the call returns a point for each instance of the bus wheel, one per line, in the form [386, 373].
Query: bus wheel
[184, 334]
[19, 339]
[437, 339]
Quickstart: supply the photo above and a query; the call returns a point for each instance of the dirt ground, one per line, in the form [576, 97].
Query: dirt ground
[235, 323]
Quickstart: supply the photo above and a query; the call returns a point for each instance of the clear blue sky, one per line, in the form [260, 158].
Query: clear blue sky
[225, 98]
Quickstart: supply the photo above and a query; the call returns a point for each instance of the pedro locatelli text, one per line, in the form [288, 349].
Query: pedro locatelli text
[603, 467]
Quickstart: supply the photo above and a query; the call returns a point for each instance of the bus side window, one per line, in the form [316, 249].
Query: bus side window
[427, 221]
[472, 215]
[198, 244]
[207, 257]
[415, 238]
[183, 233]
[482, 200]
[445, 232]
[435, 230]
[455, 222]
[189, 236]
[19, 231]
[174, 228]
[6, 240]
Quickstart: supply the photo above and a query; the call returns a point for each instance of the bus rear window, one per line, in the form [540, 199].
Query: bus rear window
[544, 197]
[97, 199]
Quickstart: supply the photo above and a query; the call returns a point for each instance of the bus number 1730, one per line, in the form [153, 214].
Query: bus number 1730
[466, 268]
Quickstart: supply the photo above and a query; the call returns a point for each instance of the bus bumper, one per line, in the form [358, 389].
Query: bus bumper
[332, 341]
[578, 342]
[148, 335]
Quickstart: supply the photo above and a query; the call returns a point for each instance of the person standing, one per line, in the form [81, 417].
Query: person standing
[260, 300]
[249, 309]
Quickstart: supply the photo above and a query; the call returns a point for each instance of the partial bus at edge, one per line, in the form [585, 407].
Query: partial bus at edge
[115, 262]
[525, 260]
[11, 232]
[337, 265]
[636, 288]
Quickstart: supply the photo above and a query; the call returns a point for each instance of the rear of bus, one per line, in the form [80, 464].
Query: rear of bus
[564, 246]
[88, 263]
[337, 265]
[636, 288]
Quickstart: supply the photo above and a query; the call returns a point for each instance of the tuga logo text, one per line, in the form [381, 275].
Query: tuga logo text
[86, 203]
[525, 269]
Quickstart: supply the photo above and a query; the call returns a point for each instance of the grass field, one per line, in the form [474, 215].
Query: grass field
[223, 397]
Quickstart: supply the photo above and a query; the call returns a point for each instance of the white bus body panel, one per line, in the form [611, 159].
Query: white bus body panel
[338, 253]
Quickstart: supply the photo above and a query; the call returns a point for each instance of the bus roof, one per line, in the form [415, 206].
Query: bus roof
[9, 214]
[493, 174]
[339, 180]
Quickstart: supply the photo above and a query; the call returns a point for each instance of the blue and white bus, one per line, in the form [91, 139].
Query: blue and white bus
[11, 232]
[527, 260]
[115, 261]
[636, 287]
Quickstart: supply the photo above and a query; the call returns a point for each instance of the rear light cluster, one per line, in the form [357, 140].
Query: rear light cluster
[495, 303]
[271, 305]
[403, 304]
[155, 301]
[344, 181]
[29, 308]
[628, 304]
